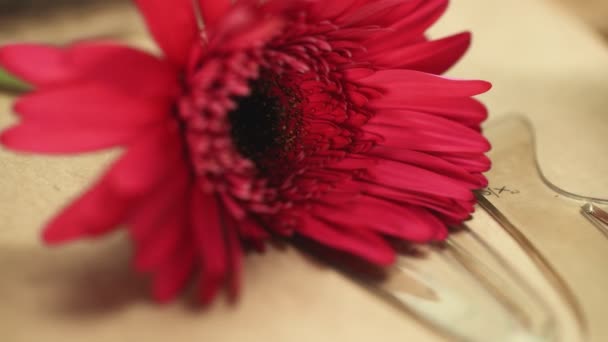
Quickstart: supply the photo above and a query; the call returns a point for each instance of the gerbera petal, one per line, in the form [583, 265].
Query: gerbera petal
[131, 71]
[384, 13]
[174, 274]
[409, 29]
[158, 207]
[426, 14]
[368, 13]
[173, 25]
[426, 161]
[445, 206]
[163, 243]
[159, 224]
[209, 237]
[472, 162]
[253, 232]
[134, 72]
[240, 31]
[401, 85]
[425, 132]
[60, 138]
[134, 174]
[426, 140]
[36, 64]
[466, 110]
[213, 10]
[146, 163]
[235, 259]
[434, 57]
[400, 221]
[360, 242]
[413, 178]
[256, 36]
[332, 9]
[83, 218]
[90, 106]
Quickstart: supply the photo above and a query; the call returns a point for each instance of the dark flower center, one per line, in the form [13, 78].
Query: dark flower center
[266, 124]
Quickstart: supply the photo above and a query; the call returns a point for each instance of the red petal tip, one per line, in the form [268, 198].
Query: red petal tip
[53, 236]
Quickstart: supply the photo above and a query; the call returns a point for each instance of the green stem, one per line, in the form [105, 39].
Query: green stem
[9, 83]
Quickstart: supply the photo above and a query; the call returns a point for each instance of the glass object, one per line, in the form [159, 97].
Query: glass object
[528, 267]
[548, 222]
[597, 216]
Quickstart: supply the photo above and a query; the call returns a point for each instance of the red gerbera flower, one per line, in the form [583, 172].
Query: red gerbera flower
[319, 118]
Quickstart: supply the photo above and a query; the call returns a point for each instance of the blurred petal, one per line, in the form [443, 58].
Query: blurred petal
[213, 10]
[61, 138]
[173, 275]
[85, 218]
[90, 106]
[173, 25]
[209, 237]
[36, 64]
[134, 72]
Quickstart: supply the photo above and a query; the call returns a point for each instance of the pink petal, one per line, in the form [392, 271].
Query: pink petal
[404, 84]
[332, 9]
[415, 16]
[137, 173]
[173, 25]
[235, 260]
[255, 37]
[425, 132]
[173, 275]
[97, 212]
[159, 223]
[426, 140]
[422, 18]
[369, 13]
[442, 234]
[213, 11]
[410, 28]
[36, 64]
[160, 205]
[252, 231]
[146, 163]
[90, 106]
[413, 178]
[434, 57]
[400, 221]
[134, 72]
[471, 162]
[435, 203]
[426, 161]
[61, 138]
[209, 237]
[162, 243]
[360, 242]
[465, 110]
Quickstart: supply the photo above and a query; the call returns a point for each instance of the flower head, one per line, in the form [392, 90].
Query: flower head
[324, 119]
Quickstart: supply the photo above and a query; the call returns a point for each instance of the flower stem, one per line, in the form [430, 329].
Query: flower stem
[8, 83]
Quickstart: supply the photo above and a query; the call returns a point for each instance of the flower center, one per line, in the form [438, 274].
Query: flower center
[266, 124]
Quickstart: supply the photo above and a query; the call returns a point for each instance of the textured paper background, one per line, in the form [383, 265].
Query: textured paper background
[543, 63]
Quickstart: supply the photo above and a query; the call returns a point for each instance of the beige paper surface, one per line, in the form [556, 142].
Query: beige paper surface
[543, 64]
[594, 12]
